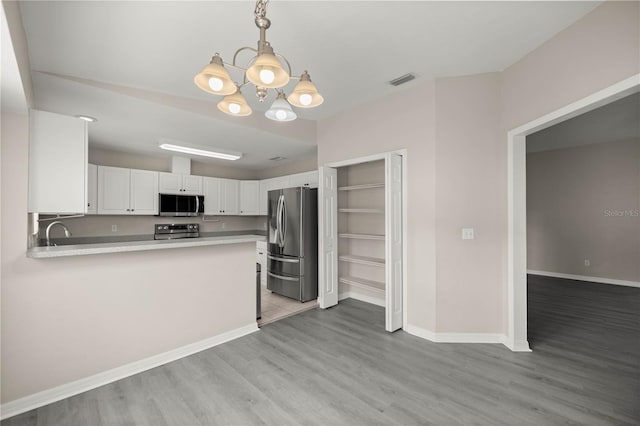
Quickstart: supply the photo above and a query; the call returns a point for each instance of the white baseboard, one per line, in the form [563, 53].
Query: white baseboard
[361, 297]
[585, 278]
[48, 396]
[455, 337]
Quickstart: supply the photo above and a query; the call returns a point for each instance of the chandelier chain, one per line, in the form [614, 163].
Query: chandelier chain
[261, 8]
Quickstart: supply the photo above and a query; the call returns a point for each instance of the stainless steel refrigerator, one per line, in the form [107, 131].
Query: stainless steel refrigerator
[292, 260]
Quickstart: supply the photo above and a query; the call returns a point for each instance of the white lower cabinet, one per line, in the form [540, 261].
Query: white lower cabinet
[221, 196]
[127, 191]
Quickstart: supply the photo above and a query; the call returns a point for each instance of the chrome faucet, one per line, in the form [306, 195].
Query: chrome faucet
[57, 222]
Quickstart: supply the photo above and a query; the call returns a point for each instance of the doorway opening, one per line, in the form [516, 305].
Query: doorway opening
[362, 237]
[517, 207]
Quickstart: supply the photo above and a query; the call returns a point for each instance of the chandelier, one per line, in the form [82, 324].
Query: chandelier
[266, 70]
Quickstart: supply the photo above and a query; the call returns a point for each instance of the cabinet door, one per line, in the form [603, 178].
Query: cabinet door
[170, 183]
[310, 179]
[249, 197]
[92, 189]
[144, 192]
[212, 195]
[231, 195]
[192, 185]
[113, 190]
[263, 196]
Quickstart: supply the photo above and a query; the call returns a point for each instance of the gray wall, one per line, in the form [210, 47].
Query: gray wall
[583, 203]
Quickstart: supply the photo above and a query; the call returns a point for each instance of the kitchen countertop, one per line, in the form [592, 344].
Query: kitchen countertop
[140, 243]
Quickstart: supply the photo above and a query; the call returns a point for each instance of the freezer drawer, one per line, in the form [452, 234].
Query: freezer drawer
[294, 287]
[283, 265]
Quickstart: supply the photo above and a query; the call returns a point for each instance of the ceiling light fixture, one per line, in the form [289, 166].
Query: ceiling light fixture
[86, 118]
[201, 152]
[265, 71]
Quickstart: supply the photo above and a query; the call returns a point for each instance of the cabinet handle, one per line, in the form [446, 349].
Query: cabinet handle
[128, 210]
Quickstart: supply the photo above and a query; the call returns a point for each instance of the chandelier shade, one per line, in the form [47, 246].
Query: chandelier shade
[215, 79]
[266, 70]
[235, 104]
[305, 94]
[280, 110]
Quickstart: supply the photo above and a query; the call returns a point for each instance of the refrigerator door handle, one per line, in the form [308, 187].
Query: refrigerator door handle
[280, 277]
[284, 220]
[281, 220]
[278, 221]
[280, 259]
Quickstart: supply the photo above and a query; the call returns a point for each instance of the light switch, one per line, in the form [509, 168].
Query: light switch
[467, 234]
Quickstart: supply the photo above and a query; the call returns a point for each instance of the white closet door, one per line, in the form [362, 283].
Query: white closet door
[328, 232]
[393, 232]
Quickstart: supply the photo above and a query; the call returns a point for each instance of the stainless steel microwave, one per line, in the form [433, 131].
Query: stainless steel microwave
[181, 205]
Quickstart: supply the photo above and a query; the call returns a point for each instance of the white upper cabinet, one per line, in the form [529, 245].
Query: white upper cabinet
[92, 189]
[221, 196]
[144, 192]
[57, 163]
[176, 183]
[249, 190]
[126, 191]
[308, 179]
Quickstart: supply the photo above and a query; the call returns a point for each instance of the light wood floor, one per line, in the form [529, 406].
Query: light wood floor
[339, 367]
[276, 307]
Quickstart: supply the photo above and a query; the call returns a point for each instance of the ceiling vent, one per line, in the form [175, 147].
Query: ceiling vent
[277, 158]
[402, 79]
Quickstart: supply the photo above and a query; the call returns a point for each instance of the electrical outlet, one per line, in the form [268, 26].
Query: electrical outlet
[587, 262]
[114, 228]
[467, 234]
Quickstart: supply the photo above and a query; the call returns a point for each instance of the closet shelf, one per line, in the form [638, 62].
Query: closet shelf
[362, 260]
[376, 211]
[362, 236]
[362, 283]
[365, 186]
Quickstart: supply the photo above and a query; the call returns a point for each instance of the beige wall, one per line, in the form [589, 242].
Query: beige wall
[455, 132]
[584, 203]
[67, 318]
[305, 165]
[404, 120]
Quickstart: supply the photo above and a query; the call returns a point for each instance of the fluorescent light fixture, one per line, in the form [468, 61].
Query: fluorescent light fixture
[87, 118]
[202, 152]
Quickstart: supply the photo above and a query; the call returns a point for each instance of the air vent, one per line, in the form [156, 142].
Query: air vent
[402, 79]
[277, 158]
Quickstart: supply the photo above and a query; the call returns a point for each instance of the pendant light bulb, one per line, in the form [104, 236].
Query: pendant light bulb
[267, 76]
[215, 84]
[305, 99]
[234, 108]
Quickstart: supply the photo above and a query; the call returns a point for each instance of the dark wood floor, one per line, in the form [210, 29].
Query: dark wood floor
[339, 367]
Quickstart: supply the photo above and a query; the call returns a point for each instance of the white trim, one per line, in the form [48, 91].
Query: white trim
[585, 278]
[362, 297]
[455, 337]
[66, 390]
[516, 199]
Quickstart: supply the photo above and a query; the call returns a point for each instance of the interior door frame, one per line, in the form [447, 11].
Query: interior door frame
[376, 157]
[517, 201]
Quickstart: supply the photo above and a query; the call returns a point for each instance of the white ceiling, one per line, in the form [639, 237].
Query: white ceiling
[617, 121]
[131, 64]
